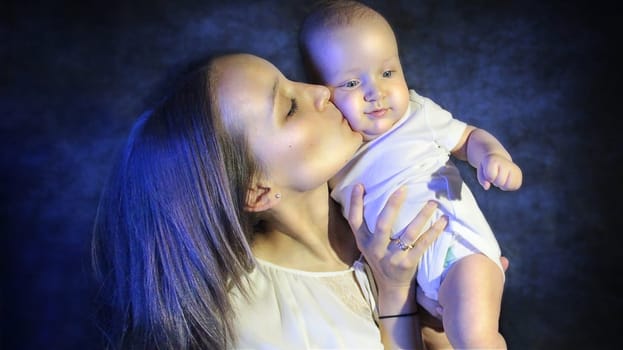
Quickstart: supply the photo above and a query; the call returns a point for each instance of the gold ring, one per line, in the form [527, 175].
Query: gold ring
[402, 245]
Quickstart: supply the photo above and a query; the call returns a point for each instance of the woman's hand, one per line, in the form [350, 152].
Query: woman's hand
[393, 262]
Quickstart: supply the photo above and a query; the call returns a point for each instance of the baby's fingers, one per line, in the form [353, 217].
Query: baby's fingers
[510, 178]
[483, 178]
[515, 179]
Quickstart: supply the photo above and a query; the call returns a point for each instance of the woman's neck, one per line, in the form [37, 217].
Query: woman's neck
[312, 236]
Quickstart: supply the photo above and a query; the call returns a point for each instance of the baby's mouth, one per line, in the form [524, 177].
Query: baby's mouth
[378, 113]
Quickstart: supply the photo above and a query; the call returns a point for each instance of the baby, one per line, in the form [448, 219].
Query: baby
[408, 142]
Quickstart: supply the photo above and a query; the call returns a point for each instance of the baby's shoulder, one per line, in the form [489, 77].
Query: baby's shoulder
[415, 97]
[419, 102]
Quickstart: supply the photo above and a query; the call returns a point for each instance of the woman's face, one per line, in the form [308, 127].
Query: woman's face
[300, 138]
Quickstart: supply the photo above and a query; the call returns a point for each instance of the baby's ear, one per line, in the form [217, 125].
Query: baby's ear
[260, 198]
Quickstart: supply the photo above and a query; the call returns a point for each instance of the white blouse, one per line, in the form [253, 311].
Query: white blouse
[293, 309]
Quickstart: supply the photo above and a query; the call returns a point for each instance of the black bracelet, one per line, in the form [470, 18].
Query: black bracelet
[399, 315]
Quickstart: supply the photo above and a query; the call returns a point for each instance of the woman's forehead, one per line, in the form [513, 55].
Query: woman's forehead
[245, 64]
[245, 74]
[245, 85]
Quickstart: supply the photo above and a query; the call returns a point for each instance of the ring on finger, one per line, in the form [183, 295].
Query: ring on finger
[402, 245]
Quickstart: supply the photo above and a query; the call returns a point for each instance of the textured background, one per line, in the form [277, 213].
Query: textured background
[542, 76]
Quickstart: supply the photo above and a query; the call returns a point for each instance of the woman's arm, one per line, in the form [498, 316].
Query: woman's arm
[394, 264]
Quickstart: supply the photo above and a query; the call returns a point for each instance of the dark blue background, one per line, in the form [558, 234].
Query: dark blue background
[542, 76]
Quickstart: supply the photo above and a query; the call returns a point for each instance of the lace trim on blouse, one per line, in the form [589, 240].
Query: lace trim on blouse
[351, 285]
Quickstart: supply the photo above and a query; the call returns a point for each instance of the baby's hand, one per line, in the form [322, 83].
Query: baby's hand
[499, 171]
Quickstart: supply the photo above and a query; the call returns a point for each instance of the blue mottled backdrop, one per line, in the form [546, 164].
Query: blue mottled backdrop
[543, 76]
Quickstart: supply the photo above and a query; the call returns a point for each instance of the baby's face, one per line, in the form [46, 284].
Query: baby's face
[360, 65]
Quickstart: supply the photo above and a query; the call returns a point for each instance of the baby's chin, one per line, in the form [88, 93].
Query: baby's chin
[379, 128]
[371, 136]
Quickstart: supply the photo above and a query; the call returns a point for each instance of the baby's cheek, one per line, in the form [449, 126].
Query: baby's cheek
[343, 102]
[355, 124]
[351, 115]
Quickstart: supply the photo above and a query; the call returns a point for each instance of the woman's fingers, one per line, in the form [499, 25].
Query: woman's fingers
[388, 215]
[380, 237]
[417, 225]
[413, 238]
[355, 213]
[379, 240]
[428, 237]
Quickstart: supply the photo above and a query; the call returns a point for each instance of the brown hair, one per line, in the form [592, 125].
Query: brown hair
[171, 237]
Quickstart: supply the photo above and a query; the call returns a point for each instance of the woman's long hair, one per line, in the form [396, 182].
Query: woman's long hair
[171, 236]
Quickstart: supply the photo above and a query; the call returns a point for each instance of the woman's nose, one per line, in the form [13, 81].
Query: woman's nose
[321, 96]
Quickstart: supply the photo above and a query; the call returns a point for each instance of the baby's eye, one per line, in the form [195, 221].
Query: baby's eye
[350, 84]
[293, 107]
[388, 73]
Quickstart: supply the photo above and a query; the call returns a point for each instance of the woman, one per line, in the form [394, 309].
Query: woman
[216, 229]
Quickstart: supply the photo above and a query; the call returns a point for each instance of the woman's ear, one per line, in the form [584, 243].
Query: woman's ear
[261, 198]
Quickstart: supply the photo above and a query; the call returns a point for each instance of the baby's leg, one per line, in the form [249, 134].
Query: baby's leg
[471, 295]
[433, 334]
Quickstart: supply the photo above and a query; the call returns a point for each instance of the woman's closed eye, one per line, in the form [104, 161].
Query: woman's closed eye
[293, 107]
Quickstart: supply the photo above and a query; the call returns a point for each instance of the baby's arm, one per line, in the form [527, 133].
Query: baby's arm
[493, 163]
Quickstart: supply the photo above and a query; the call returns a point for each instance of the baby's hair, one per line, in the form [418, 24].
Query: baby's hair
[327, 15]
[336, 13]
